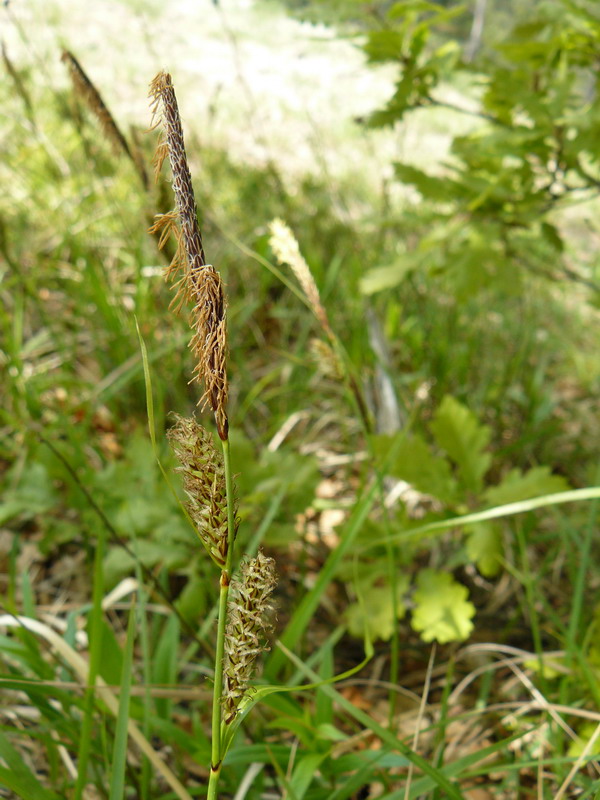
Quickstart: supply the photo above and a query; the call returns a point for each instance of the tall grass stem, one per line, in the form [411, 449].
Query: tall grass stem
[217, 708]
[95, 638]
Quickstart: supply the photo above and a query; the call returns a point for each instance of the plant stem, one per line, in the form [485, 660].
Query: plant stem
[216, 757]
[230, 505]
[216, 754]
[95, 637]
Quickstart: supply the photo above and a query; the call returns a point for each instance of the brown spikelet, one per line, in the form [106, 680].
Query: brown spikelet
[164, 109]
[162, 151]
[203, 473]
[249, 610]
[91, 96]
[194, 280]
[163, 227]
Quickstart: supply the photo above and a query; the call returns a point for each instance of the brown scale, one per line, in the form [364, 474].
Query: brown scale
[194, 280]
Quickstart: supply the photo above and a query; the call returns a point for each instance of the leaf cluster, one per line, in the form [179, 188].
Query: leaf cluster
[531, 152]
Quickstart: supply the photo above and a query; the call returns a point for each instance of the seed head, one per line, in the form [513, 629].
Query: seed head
[287, 251]
[203, 472]
[194, 280]
[249, 613]
[91, 96]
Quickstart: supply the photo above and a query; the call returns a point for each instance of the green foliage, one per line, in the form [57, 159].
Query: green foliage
[458, 432]
[417, 464]
[531, 153]
[442, 611]
[495, 366]
[17, 777]
[376, 612]
[457, 480]
[30, 493]
[119, 756]
[405, 42]
[521, 486]
[484, 548]
[264, 475]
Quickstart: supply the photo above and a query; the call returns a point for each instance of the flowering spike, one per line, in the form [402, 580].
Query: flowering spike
[203, 471]
[195, 281]
[87, 91]
[248, 621]
[287, 251]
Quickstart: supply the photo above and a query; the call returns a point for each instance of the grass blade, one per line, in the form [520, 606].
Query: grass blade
[309, 603]
[25, 789]
[117, 783]
[508, 510]
[437, 776]
[95, 640]
[17, 777]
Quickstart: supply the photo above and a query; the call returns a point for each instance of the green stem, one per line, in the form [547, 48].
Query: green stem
[95, 637]
[213, 782]
[215, 759]
[230, 505]
[216, 754]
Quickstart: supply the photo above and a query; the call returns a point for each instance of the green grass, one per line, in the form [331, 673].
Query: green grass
[85, 506]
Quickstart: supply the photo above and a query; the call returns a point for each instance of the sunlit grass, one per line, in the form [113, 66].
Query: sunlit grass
[509, 712]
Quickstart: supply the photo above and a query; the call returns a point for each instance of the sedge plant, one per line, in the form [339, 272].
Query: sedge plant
[244, 605]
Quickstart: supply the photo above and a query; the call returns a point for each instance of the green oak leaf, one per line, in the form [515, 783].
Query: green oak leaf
[458, 431]
[517, 485]
[417, 465]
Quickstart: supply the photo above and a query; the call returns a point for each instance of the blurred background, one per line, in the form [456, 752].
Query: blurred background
[437, 165]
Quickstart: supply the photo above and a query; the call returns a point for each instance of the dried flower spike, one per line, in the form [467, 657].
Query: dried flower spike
[327, 360]
[285, 246]
[203, 471]
[249, 610]
[91, 96]
[195, 281]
